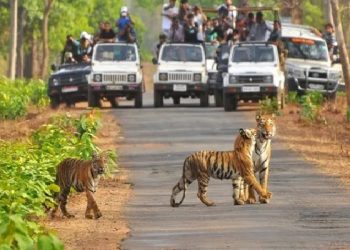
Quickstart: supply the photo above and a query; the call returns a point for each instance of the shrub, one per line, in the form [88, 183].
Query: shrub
[311, 106]
[27, 173]
[16, 96]
[293, 97]
[269, 106]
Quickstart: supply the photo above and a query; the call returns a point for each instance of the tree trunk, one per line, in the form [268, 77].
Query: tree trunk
[20, 44]
[342, 47]
[45, 34]
[33, 59]
[328, 11]
[293, 9]
[13, 40]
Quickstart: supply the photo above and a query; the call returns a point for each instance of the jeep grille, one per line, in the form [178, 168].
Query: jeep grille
[251, 79]
[115, 78]
[180, 77]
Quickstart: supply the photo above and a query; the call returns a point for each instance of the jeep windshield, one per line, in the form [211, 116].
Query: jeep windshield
[182, 53]
[115, 53]
[254, 53]
[307, 49]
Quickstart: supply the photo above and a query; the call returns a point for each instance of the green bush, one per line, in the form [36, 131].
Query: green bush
[310, 106]
[27, 173]
[16, 96]
[269, 106]
[348, 115]
[293, 97]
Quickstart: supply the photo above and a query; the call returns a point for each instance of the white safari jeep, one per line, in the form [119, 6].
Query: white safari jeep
[116, 72]
[254, 73]
[308, 64]
[181, 73]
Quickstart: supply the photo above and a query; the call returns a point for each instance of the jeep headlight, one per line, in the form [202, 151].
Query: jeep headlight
[334, 75]
[97, 77]
[197, 77]
[55, 82]
[268, 79]
[233, 79]
[132, 78]
[163, 76]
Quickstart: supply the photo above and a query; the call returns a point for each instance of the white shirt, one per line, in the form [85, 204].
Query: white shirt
[166, 23]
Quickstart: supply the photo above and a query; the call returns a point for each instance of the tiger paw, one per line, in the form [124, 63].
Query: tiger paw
[238, 202]
[263, 201]
[98, 215]
[251, 201]
[88, 216]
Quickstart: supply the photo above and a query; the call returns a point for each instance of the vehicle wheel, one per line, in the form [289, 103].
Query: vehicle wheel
[204, 100]
[176, 100]
[230, 102]
[54, 101]
[218, 98]
[93, 99]
[114, 103]
[158, 99]
[138, 99]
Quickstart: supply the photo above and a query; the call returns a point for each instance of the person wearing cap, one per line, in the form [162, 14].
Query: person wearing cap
[83, 46]
[191, 30]
[126, 32]
[169, 12]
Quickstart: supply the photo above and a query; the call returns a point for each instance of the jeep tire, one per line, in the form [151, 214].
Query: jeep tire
[54, 101]
[230, 102]
[93, 98]
[176, 100]
[218, 98]
[138, 99]
[158, 99]
[204, 99]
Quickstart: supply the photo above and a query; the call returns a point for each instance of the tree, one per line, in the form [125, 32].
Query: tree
[342, 48]
[294, 9]
[45, 33]
[13, 40]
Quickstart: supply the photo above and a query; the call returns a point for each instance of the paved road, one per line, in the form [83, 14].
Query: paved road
[308, 210]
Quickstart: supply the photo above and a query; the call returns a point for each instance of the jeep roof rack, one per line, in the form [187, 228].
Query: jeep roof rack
[253, 42]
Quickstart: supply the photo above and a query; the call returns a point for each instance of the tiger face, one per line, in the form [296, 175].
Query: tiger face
[266, 126]
[98, 163]
[248, 133]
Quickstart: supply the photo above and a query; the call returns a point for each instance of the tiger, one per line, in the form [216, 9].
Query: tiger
[202, 165]
[266, 129]
[83, 176]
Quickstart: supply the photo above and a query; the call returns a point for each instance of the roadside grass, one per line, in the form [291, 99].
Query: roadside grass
[318, 129]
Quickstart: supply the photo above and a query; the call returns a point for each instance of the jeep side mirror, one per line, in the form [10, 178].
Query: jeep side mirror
[154, 61]
[53, 67]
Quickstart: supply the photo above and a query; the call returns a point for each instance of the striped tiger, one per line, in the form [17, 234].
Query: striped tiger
[83, 176]
[266, 129]
[202, 165]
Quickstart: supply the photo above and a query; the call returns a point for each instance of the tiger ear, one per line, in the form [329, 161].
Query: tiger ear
[258, 117]
[242, 132]
[94, 155]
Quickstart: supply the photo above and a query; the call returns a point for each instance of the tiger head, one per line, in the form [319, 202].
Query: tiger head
[98, 163]
[246, 139]
[266, 127]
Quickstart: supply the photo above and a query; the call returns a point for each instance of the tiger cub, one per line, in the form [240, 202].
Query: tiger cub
[202, 165]
[266, 129]
[83, 176]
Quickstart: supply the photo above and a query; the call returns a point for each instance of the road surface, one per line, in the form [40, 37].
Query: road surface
[308, 210]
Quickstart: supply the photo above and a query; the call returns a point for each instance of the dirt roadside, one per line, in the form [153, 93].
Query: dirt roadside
[325, 143]
[80, 233]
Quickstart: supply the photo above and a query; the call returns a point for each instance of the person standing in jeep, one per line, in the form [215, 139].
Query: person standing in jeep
[169, 12]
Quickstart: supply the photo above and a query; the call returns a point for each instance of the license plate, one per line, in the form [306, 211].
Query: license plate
[180, 87]
[316, 86]
[250, 89]
[69, 89]
[114, 87]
